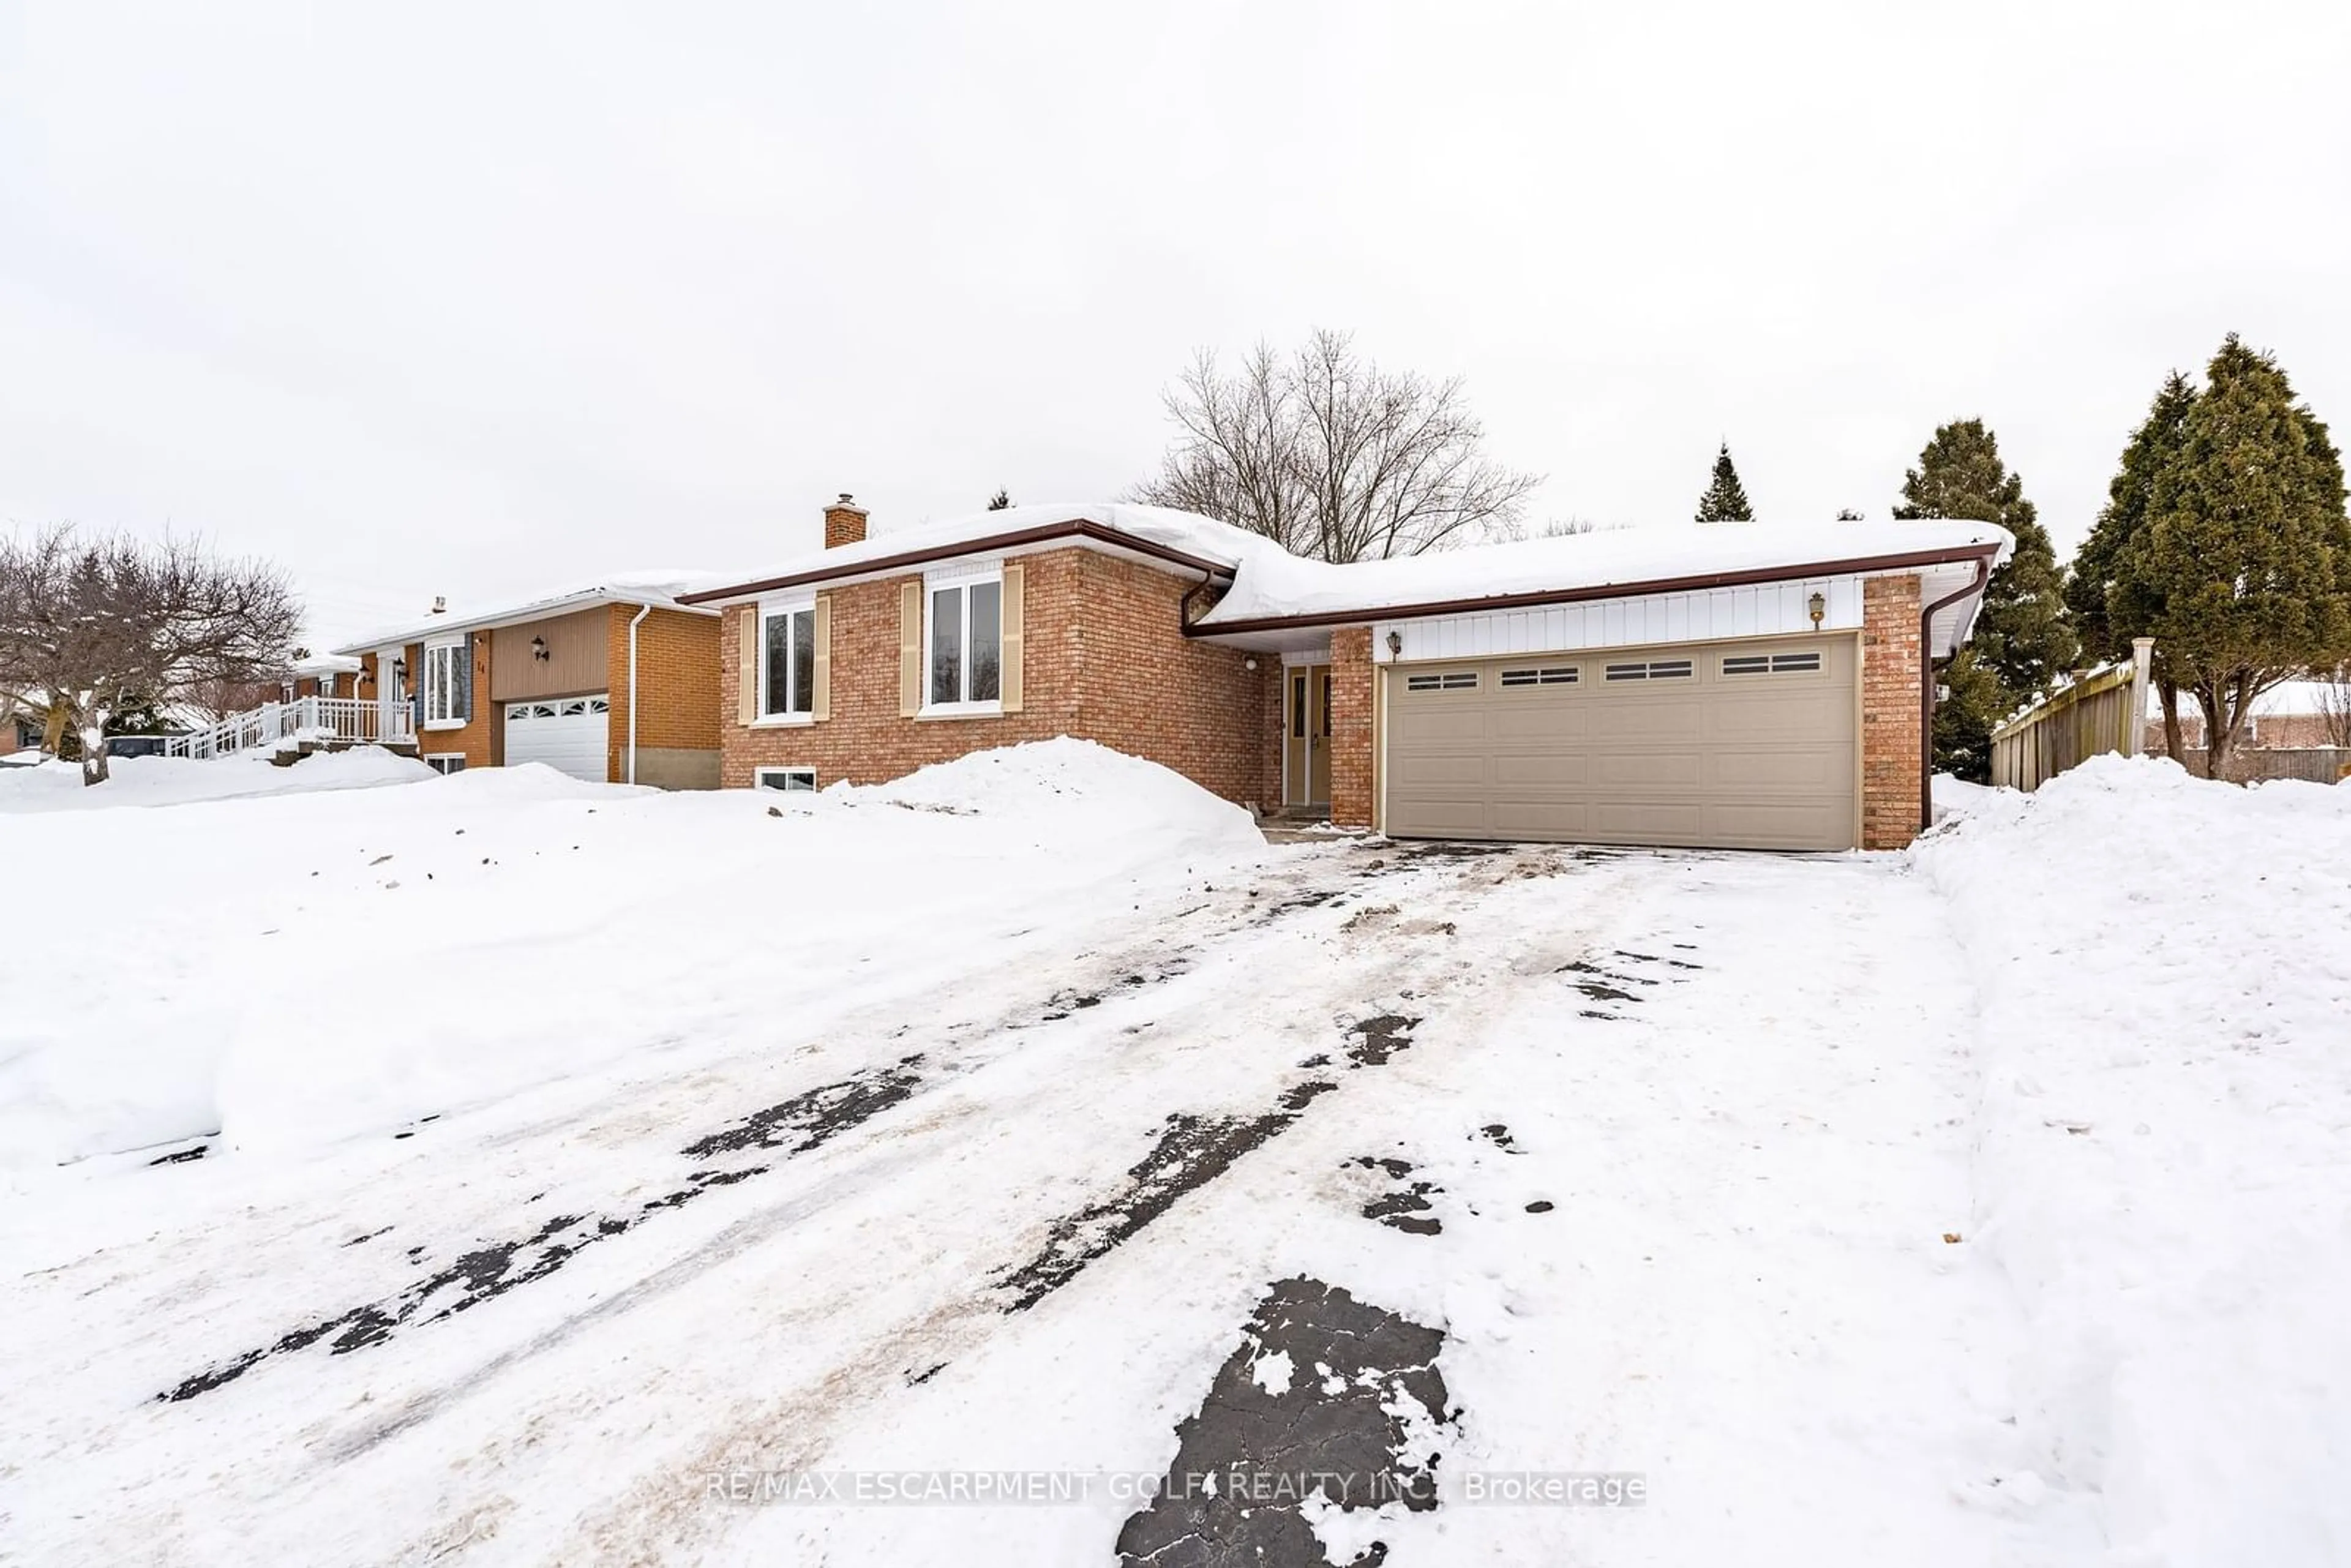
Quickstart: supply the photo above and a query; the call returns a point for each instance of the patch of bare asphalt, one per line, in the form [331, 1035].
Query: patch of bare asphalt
[1190, 1152]
[1062, 1004]
[1402, 1207]
[793, 1126]
[1608, 985]
[1322, 1397]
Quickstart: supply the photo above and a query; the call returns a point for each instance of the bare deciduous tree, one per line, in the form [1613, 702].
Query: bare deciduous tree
[101, 625]
[1332, 457]
[2334, 704]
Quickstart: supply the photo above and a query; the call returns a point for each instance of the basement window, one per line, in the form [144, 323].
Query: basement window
[446, 762]
[1543, 676]
[1653, 670]
[1442, 681]
[785, 777]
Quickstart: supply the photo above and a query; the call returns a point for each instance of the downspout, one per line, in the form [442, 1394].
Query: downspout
[1926, 687]
[642, 611]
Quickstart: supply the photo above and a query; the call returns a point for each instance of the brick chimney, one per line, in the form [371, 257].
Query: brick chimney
[844, 522]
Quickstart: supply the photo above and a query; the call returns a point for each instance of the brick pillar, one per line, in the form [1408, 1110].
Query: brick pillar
[1352, 762]
[1271, 786]
[844, 522]
[1893, 750]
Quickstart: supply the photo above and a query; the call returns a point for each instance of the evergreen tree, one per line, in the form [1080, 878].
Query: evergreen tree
[2104, 608]
[1724, 499]
[2023, 638]
[1000, 500]
[2241, 569]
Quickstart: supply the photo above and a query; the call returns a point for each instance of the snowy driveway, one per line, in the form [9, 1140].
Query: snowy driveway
[1665, 1146]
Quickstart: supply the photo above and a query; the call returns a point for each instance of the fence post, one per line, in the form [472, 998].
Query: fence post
[2142, 655]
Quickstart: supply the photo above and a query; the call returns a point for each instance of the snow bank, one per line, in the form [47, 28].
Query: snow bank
[1955, 796]
[292, 971]
[178, 782]
[2164, 1165]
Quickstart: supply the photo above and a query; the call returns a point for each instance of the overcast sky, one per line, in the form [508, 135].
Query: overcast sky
[485, 299]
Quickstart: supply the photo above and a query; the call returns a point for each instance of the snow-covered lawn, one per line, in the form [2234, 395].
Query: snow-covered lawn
[550, 1194]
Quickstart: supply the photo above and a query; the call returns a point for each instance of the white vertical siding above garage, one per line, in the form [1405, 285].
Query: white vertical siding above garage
[1763, 610]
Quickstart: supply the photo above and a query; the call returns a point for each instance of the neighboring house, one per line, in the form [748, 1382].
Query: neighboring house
[19, 732]
[550, 681]
[324, 675]
[1735, 685]
[2291, 716]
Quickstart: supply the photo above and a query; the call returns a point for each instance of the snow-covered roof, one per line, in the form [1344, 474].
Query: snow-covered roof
[327, 665]
[1639, 560]
[1271, 584]
[1159, 529]
[659, 589]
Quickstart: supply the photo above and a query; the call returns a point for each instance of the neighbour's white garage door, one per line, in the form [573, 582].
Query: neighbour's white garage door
[568, 734]
[1751, 744]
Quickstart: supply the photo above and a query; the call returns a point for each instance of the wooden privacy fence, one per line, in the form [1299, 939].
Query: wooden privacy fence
[2103, 711]
[2316, 764]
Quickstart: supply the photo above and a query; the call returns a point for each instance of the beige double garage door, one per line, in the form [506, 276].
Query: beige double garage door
[1749, 745]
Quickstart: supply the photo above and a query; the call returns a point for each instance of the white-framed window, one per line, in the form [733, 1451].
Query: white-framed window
[784, 777]
[788, 661]
[446, 761]
[448, 685]
[963, 643]
[1442, 681]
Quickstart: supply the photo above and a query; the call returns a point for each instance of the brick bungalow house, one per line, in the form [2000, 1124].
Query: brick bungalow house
[1732, 684]
[552, 681]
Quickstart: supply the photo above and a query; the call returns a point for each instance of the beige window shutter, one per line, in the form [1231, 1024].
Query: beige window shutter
[1015, 639]
[910, 648]
[747, 673]
[823, 709]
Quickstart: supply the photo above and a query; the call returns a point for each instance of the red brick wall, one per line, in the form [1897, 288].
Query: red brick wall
[1893, 747]
[677, 683]
[1353, 750]
[1104, 659]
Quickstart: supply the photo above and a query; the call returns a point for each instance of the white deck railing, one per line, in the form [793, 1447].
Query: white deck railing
[352, 719]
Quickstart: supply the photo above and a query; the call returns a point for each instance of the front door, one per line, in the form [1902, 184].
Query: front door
[1306, 764]
[390, 693]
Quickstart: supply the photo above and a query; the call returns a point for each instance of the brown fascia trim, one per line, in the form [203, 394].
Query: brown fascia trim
[1075, 529]
[1605, 590]
[1983, 559]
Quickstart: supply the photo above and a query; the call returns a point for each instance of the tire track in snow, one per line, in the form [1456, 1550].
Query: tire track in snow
[793, 1429]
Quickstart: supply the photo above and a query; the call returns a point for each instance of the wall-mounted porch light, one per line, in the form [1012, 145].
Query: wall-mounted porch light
[538, 647]
[1819, 607]
[1395, 644]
